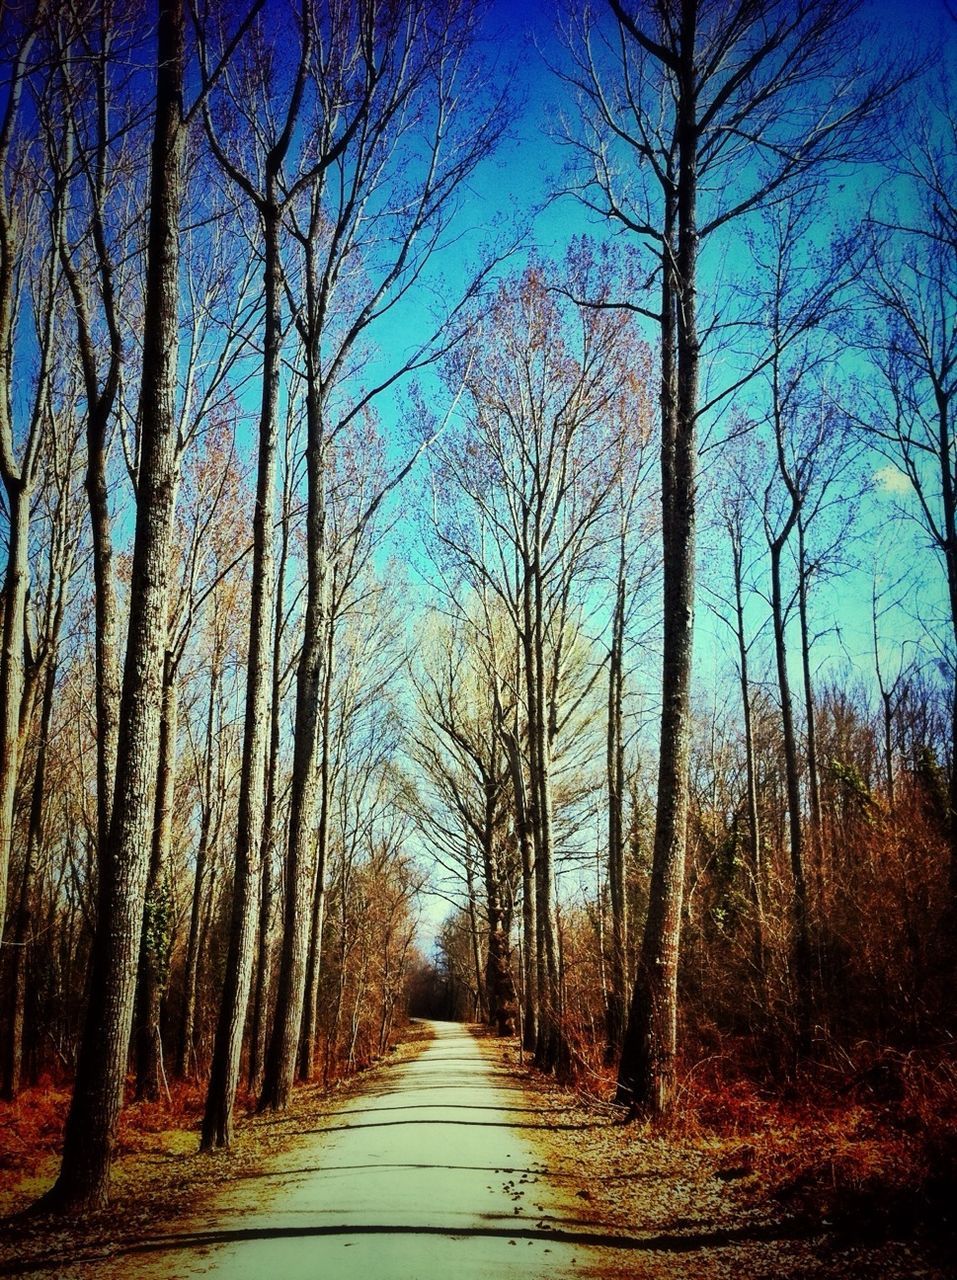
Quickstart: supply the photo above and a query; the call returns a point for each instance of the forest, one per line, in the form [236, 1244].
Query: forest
[479, 540]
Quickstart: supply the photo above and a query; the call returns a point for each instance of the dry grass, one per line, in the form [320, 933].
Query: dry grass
[839, 1184]
[873, 1150]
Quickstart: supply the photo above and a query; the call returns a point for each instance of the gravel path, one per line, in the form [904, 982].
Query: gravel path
[427, 1175]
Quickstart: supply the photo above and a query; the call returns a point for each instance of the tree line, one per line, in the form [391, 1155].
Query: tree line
[241, 310]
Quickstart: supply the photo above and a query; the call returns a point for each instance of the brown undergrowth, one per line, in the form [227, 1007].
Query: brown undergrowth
[848, 1179]
[871, 1149]
[159, 1173]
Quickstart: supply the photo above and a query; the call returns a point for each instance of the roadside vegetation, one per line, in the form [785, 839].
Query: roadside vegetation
[437, 582]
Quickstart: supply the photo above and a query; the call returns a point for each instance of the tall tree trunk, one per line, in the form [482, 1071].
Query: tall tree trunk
[156, 940]
[481, 1000]
[314, 966]
[106, 625]
[271, 885]
[15, 586]
[261, 971]
[257, 1048]
[529, 909]
[18, 480]
[551, 1049]
[754, 825]
[90, 1136]
[615, 767]
[283, 1048]
[647, 1069]
[186, 1054]
[532, 801]
[227, 1051]
[949, 509]
[802, 935]
[13, 1049]
[813, 780]
[499, 986]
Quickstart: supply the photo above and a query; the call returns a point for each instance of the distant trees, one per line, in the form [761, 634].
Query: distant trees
[528, 483]
[465, 807]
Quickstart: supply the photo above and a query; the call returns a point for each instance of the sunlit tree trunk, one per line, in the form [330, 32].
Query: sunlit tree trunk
[282, 1053]
[314, 967]
[756, 867]
[551, 1049]
[529, 909]
[186, 1054]
[18, 477]
[646, 1070]
[270, 889]
[499, 985]
[90, 1136]
[227, 1051]
[617, 888]
[156, 939]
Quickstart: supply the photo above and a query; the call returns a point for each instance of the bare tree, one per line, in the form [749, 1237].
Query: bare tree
[811, 472]
[92, 140]
[912, 285]
[412, 71]
[527, 488]
[737, 514]
[30, 278]
[462, 755]
[683, 93]
[261, 179]
[63, 538]
[632, 576]
[90, 1137]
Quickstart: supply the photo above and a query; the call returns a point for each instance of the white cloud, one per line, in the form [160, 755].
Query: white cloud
[891, 479]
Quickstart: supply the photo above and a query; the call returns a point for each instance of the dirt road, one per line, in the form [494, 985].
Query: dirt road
[427, 1175]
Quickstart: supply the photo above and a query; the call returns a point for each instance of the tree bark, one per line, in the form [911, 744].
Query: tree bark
[283, 1048]
[260, 1019]
[754, 822]
[90, 1136]
[551, 1047]
[314, 966]
[802, 935]
[18, 480]
[647, 1070]
[499, 985]
[617, 891]
[16, 582]
[529, 909]
[13, 1049]
[186, 1053]
[156, 937]
[227, 1051]
[813, 780]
